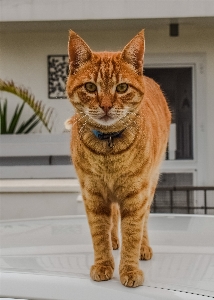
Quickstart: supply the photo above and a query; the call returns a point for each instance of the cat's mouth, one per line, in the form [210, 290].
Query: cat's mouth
[106, 118]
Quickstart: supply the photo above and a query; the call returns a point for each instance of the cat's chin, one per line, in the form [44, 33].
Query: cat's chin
[106, 121]
[106, 126]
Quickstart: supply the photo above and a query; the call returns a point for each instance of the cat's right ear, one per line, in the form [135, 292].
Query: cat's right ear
[78, 51]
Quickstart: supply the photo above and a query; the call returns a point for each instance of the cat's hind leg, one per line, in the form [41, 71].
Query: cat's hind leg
[114, 229]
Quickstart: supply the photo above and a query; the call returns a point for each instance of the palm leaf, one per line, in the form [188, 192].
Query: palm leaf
[32, 122]
[3, 115]
[0, 117]
[15, 118]
[40, 110]
[32, 126]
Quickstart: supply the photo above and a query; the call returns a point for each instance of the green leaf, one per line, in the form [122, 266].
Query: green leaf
[43, 114]
[32, 126]
[0, 116]
[4, 118]
[32, 122]
[15, 118]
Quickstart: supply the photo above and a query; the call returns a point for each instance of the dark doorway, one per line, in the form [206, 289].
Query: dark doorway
[176, 84]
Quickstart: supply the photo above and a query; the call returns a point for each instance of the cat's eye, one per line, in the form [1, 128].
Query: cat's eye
[90, 87]
[122, 87]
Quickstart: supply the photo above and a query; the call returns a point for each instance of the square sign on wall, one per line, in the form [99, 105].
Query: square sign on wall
[57, 75]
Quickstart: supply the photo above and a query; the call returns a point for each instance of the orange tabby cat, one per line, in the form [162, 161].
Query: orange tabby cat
[119, 137]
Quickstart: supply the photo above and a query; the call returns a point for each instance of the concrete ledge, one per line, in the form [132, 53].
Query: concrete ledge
[34, 144]
[39, 185]
[35, 198]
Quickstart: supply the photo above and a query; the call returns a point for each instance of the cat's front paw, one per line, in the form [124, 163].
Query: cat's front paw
[146, 252]
[101, 272]
[132, 278]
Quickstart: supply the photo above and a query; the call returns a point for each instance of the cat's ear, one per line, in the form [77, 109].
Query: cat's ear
[78, 51]
[133, 53]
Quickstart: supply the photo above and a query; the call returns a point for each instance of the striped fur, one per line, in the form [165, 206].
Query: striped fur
[117, 181]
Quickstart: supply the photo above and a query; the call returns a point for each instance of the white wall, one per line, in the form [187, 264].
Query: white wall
[22, 10]
[23, 58]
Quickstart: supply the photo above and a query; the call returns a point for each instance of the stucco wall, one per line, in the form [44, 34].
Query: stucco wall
[23, 58]
[22, 10]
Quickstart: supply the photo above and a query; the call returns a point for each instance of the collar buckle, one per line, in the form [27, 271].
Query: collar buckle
[110, 142]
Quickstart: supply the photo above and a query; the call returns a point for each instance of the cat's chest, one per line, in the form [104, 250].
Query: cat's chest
[108, 146]
[108, 164]
[94, 157]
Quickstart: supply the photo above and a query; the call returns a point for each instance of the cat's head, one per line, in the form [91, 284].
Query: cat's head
[106, 87]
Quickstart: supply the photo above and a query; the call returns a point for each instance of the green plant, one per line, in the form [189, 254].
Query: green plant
[11, 128]
[41, 113]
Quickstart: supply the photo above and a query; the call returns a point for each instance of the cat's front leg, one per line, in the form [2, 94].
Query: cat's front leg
[146, 252]
[99, 218]
[132, 217]
[114, 229]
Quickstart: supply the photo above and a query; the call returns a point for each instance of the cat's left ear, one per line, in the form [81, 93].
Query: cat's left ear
[133, 53]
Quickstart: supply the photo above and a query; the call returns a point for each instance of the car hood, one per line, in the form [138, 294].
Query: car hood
[50, 258]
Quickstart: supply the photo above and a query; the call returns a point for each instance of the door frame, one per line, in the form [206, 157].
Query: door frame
[198, 165]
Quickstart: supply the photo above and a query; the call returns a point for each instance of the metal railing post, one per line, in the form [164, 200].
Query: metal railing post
[188, 207]
[205, 201]
[171, 201]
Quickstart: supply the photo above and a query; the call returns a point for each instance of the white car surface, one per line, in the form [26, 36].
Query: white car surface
[50, 258]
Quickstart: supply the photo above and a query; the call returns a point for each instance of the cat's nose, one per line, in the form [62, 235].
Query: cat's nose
[106, 107]
[106, 104]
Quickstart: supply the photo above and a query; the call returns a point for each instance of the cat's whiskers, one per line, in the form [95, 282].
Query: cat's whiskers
[82, 127]
[135, 114]
[128, 125]
[78, 119]
[134, 126]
